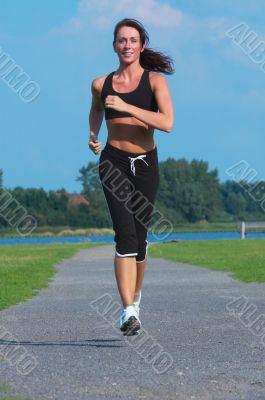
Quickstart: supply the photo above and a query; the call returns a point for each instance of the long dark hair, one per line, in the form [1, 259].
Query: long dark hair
[149, 59]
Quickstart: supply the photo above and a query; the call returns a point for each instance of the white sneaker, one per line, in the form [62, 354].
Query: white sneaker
[129, 321]
[137, 308]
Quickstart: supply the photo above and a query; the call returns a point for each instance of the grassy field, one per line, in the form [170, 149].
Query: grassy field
[24, 269]
[244, 259]
[46, 231]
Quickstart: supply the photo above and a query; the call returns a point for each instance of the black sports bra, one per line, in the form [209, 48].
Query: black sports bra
[141, 97]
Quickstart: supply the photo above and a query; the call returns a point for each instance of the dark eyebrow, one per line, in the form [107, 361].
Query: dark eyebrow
[132, 37]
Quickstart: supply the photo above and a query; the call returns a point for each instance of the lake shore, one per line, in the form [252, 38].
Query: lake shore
[48, 231]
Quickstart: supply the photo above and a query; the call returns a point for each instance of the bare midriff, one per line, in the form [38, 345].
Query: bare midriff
[130, 134]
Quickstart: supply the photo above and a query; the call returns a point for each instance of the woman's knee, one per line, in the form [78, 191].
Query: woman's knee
[126, 244]
[142, 251]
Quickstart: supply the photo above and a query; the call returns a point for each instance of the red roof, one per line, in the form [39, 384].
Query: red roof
[76, 199]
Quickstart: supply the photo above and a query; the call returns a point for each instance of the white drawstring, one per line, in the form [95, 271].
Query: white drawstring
[132, 159]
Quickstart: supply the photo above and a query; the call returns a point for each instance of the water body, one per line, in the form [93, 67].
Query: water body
[151, 238]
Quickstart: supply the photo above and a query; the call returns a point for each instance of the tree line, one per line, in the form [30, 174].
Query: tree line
[188, 192]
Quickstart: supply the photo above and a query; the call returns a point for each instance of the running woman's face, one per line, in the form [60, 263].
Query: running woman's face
[128, 44]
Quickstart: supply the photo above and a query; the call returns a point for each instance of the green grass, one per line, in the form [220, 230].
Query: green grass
[24, 269]
[14, 398]
[244, 259]
[4, 387]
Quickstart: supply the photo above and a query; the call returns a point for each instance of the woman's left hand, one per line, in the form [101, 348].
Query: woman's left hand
[117, 103]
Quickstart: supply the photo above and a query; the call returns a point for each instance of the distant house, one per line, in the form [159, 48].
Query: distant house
[76, 199]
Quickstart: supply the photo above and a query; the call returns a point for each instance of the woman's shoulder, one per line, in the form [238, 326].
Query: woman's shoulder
[97, 83]
[156, 79]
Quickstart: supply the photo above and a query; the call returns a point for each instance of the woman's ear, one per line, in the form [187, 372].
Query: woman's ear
[143, 48]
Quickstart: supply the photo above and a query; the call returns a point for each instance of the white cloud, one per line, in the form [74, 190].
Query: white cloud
[101, 14]
[159, 15]
[218, 27]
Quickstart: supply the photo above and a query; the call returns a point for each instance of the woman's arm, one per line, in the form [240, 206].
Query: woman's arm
[162, 120]
[95, 118]
[96, 111]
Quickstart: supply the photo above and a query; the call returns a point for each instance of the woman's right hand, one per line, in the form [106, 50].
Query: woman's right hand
[94, 144]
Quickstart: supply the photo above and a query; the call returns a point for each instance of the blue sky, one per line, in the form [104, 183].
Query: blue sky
[217, 90]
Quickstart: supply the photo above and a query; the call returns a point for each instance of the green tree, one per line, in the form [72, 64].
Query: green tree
[98, 212]
[190, 189]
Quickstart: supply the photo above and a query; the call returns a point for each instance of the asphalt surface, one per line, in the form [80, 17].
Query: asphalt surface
[64, 343]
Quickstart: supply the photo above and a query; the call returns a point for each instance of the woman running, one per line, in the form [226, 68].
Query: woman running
[128, 165]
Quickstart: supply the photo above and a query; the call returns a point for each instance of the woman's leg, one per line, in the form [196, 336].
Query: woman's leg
[140, 275]
[146, 182]
[117, 188]
[126, 272]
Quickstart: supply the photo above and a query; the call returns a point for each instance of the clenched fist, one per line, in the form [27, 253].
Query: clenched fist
[94, 144]
[116, 103]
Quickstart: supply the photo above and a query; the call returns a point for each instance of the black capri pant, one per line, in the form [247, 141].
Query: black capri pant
[130, 183]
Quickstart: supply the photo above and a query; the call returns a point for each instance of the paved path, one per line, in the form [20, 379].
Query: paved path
[208, 353]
